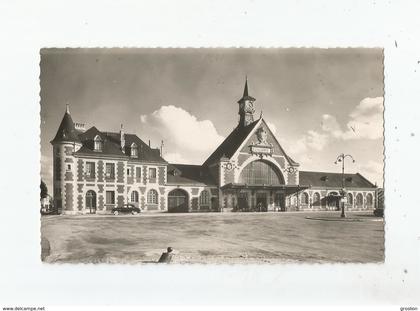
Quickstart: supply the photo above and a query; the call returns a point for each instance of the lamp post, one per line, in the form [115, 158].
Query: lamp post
[341, 159]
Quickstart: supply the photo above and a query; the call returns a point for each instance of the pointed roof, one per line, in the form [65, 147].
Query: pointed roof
[245, 96]
[229, 146]
[236, 138]
[66, 131]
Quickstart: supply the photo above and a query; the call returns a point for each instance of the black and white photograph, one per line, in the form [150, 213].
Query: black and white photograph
[233, 155]
[209, 155]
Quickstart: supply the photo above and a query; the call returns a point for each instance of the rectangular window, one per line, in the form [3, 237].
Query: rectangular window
[138, 172]
[69, 167]
[129, 172]
[110, 197]
[90, 169]
[110, 170]
[152, 174]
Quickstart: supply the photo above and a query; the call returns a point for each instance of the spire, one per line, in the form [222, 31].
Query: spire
[246, 107]
[68, 108]
[246, 96]
[246, 87]
[66, 131]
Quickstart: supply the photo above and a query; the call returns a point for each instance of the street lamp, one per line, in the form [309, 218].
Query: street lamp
[341, 159]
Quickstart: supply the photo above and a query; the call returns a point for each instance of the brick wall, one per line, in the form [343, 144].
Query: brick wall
[100, 171]
[161, 175]
[120, 171]
[79, 202]
[120, 200]
[69, 197]
[228, 175]
[101, 202]
[144, 174]
[80, 170]
[68, 176]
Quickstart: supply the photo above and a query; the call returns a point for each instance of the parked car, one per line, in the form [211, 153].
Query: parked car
[47, 206]
[126, 209]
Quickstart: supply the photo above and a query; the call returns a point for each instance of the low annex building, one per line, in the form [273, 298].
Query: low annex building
[95, 171]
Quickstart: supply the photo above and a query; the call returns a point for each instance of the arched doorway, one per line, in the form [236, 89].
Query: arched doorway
[91, 201]
[359, 201]
[333, 200]
[369, 200]
[316, 201]
[178, 201]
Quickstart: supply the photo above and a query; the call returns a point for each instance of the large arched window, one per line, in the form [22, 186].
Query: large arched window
[261, 172]
[369, 200]
[204, 198]
[304, 198]
[316, 200]
[350, 198]
[152, 197]
[359, 200]
[135, 197]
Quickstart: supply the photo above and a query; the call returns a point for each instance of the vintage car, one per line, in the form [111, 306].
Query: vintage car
[128, 208]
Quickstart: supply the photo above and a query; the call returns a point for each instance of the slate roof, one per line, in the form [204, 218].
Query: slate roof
[189, 174]
[229, 146]
[66, 131]
[112, 146]
[324, 179]
[245, 96]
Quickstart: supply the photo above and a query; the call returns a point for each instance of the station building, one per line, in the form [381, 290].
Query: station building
[95, 171]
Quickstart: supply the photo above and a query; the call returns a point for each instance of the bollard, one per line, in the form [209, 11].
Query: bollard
[166, 257]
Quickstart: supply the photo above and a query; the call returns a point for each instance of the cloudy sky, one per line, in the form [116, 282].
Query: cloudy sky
[319, 102]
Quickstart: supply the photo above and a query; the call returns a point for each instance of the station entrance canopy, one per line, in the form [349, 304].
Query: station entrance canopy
[288, 189]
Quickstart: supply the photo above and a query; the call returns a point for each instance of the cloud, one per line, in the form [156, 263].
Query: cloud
[330, 124]
[185, 137]
[366, 121]
[374, 170]
[311, 140]
[174, 157]
[272, 127]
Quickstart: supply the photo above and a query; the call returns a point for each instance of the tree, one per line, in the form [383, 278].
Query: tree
[44, 190]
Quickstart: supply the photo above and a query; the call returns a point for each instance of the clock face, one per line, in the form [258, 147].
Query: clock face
[249, 107]
[229, 166]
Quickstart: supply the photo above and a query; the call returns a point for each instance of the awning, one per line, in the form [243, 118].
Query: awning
[287, 188]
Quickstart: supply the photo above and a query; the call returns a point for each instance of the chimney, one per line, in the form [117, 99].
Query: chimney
[122, 138]
[67, 108]
[149, 143]
[80, 127]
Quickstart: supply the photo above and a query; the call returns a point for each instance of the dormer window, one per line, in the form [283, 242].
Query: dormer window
[97, 143]
[134, 151]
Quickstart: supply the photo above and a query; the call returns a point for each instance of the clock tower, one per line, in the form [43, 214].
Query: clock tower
[246, 108]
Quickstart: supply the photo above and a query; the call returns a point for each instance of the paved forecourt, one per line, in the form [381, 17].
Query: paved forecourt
[215, 238]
